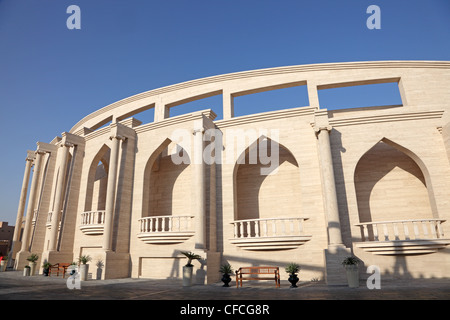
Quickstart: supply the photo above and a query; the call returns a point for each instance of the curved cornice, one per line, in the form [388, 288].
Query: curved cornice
[219, 80]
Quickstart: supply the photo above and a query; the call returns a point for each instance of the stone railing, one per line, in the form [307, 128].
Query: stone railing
[400, 237]
[269, 234]
[166, 229]
[92, 222]
[401, 230]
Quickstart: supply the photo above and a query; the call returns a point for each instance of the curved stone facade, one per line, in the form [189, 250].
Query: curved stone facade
[305, 185]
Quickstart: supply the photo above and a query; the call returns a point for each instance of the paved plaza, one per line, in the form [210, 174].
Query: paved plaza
[14, 286]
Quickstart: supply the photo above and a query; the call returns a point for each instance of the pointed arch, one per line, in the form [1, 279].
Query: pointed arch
[392, 183]
[259, 195]
[97, 180]
[166, 189]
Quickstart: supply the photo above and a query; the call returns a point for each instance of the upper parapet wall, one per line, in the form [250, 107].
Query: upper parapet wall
[420, 83]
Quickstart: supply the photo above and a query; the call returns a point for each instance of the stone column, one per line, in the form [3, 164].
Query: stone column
[31, 201]
[329, 186]
[59, 194]
[111, 192]
[21, 209]
[336, 251]
[199, 187]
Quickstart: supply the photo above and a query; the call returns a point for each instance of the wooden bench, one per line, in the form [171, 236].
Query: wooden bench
[255, 272]
[59, 267]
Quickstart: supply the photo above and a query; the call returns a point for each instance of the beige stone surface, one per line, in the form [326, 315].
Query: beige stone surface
[336, 169]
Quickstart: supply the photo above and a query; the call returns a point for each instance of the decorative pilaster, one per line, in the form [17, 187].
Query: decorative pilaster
[111, 191]
[59, 194]
[199, 188]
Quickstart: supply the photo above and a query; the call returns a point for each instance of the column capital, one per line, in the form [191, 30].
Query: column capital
[117, 136]
[72, 139]
[317, 129]
[121, 132]
[199, 130]
[40, 152]
[66, 144]
[30, 155]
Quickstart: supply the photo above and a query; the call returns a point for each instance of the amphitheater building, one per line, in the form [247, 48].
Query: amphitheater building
[305, 185]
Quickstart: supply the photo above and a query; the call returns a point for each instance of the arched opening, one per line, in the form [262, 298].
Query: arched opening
[390, 186]
[268, 212]
[260, 196]
[395, 201]
[169, 191]
[166, 199]
[93, 217]
[97, 181]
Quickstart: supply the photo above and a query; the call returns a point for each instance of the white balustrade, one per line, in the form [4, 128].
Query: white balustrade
[92, 222]
[417, 229]
[271, 227]
[166, 229]
[166, 224]
[93, 217]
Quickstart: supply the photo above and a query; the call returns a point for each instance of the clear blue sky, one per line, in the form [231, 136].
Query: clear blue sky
[51, 77]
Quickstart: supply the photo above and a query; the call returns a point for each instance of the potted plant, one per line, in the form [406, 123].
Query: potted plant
[84, 267]
[187, 269]
[226, 269]
[46, 267]
[351, 267]
[100, 266]
[32, 263]
[26, 271]
[292, 269]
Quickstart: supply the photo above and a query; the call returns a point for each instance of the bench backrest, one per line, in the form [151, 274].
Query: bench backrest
[258, 270]
[64, 264]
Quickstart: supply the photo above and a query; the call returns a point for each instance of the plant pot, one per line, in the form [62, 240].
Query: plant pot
[226, 279]
[32, 268]
[293, 279]
[84, 268]
[187, 276]
[26, 271]
[352, 276]
[45, 272]
[3, 265]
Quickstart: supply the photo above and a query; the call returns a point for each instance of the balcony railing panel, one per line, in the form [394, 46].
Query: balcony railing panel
[401, 230]
[401, 237]
[270, 233]
[166, 229]
[92, 222]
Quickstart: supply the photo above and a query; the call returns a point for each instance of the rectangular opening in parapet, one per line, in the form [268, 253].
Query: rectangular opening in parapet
[271, 100]
[213, 102]
[359, 96]
[146, 116]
